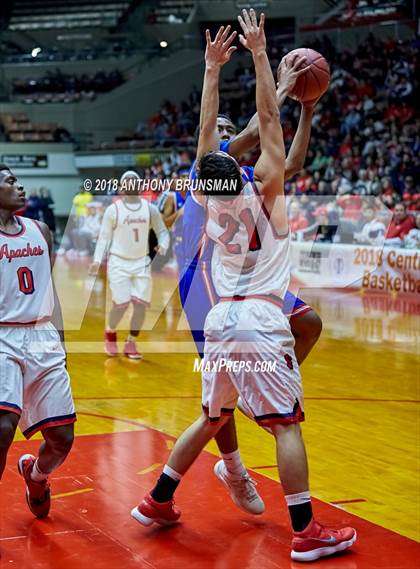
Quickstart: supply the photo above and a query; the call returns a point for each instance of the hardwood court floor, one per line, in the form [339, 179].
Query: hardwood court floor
[362, 430]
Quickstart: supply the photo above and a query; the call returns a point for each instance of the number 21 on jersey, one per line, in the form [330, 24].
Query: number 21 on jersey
[232, 226]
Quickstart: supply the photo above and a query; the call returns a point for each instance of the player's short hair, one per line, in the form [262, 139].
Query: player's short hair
[225, 117]
[183, 170]
[219, 116]
[4, 167]
[217, 166]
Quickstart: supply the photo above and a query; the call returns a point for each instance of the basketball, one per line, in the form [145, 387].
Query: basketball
[315, 81]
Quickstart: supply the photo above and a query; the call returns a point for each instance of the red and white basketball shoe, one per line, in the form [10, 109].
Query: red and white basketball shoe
[317, 541]
[131, 351]
[38, 494]
[149, 511]
[111, 347]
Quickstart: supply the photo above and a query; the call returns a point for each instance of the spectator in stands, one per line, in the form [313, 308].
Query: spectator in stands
[86, 235]
[319, 162]
[61, 134]
[321, 230]
[373, 185]
[399, 227]
[412, 239]
[373, 231]
[80, 202]
[361, 185]
[408, 188]
[297, 220]
[387, 193]
[46, 206]
[33, 205]
[56, 86]
[303, 182]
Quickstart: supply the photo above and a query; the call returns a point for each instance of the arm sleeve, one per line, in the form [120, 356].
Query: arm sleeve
[159, 228]
[105, 233]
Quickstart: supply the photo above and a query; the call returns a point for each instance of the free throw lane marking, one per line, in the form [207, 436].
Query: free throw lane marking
[151, 468]
[73, 493]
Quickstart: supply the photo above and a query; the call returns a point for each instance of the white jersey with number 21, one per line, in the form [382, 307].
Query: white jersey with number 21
[250, 257]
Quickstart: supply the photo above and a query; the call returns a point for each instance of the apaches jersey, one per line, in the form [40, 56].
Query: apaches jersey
[26, 292]
[125, 230]
[249, 257]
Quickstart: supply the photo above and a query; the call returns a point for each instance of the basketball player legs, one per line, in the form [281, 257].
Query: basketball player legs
[8, 424]
[52, 453]
[291, 459]
[192, 441]
[115, 315]
[137, 318]
[158, 506]
[197, 301]
[57, 444]
[226, 437]
[306, 329]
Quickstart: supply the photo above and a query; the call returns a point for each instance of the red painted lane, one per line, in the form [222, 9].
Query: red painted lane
[95, 531]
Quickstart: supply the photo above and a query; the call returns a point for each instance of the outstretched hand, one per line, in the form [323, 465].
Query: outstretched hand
[253, 37]
[289, 70]
[219, 51]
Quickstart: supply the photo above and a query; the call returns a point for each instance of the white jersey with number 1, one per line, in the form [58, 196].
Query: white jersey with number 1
[26, 292]
[125, 230]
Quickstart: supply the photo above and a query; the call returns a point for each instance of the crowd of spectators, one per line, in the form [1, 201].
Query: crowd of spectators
[58, 87]
[40, 206]
[365, 142]
[365, 139]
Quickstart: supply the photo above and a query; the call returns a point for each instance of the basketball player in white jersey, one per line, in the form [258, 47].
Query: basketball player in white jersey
[251, 272]
[34, 384]
[125, 235]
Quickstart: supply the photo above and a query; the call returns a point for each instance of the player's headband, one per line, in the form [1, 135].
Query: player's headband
[129, 174]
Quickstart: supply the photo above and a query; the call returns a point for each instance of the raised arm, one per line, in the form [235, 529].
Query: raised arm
[218, 52]
[288, 71]
[249, 138]
[269, 169]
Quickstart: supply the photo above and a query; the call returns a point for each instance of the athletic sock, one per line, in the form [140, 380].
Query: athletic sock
[234, 463]
[166, 485]
[300, 510]
[111, 330]
[37, 475]
[131, 338]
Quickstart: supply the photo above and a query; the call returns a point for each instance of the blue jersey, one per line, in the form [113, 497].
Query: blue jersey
[195, 286]
[179, 204]
[195, 217]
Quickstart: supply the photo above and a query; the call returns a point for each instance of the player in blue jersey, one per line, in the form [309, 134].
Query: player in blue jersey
[172, 213]
[196, 288]
[195, 276]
